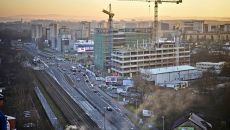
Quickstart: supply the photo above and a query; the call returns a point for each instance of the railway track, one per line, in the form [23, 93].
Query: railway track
[72, 112]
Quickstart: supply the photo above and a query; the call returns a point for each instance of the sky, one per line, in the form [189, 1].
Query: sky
[92, 9]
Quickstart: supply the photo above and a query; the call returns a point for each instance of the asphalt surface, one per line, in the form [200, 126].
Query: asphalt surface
[89, 98]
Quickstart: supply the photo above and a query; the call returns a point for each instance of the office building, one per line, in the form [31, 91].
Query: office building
[53, 35]
[64, 39]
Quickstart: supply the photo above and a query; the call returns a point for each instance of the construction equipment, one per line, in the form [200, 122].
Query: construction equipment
[155, 29]
[110, 22]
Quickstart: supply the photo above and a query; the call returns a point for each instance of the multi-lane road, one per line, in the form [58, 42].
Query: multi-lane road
[99, 108]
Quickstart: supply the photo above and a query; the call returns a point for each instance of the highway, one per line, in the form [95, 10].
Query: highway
[74, 114]
[80, 94]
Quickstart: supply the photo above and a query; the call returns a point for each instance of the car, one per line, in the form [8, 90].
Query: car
[78, 79]
[109, 109]
[86, 80]
[95, 91]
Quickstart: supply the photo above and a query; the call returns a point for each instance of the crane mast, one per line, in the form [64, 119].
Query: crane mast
[154, 35]
[110, 22]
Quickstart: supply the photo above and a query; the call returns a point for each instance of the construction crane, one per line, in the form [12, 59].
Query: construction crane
[110, 22]
[155, 29]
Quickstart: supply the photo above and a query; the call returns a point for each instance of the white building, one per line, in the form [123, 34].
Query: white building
[82, 46]
[214, 67]
[169, 75]
[36, 31]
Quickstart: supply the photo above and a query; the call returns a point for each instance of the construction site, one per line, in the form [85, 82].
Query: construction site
[116, 72]
[124, 50]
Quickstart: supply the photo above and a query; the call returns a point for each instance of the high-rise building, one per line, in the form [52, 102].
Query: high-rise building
[85, 30]
[53, 35]
[64, 39]
[36, 30]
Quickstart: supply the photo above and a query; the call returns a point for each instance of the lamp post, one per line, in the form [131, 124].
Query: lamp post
[104, 117]
[163, 118]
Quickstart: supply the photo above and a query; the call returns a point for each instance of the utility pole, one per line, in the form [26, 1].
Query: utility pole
[163, 118]
[104, 117]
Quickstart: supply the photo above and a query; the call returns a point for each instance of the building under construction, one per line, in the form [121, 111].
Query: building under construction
[121, 38]
[128, 61]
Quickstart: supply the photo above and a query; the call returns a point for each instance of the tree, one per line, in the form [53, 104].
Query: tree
[226, 70]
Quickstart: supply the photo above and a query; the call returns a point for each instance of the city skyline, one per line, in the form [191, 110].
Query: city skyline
[92, 10]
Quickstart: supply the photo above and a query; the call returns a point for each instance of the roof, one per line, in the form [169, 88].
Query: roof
[193, 118]
[211, 63]
[167, 69]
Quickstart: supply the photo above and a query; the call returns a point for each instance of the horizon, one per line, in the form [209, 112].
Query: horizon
[56, 17]
[204, 9]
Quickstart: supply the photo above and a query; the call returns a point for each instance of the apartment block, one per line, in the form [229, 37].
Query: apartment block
[36, 31]
[128, 61]
[53, 35]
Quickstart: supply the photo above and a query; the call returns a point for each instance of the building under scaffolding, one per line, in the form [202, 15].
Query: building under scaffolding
[121, 38]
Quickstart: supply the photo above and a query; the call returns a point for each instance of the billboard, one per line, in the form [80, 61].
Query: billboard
[84, 48]
[127, 82]
[111, 79]
[146, 113]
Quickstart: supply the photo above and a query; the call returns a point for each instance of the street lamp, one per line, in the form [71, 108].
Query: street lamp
[104, 117]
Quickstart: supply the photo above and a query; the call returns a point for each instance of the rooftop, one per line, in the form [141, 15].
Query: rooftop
[167, 69]
[218, 63]
[193, 118]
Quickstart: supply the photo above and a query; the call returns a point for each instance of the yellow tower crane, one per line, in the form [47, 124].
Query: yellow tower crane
[110, 22]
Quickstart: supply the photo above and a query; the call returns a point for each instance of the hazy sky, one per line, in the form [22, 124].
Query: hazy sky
[91, 9]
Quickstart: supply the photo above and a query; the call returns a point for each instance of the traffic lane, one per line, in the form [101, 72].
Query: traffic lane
[63, 81]
[100, 105]
[72, 93]
[86, 94]
[111, 115]
[110, 100]
[96, 101]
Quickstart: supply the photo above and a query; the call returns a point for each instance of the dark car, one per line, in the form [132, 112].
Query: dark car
[109, 109]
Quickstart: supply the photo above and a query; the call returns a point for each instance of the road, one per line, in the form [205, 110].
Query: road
[74, 114]
[82, 94]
